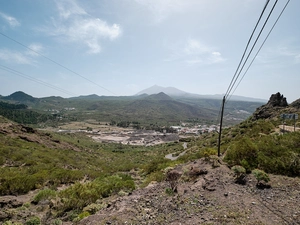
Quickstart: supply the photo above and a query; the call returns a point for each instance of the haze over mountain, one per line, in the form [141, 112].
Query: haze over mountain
[174, 92]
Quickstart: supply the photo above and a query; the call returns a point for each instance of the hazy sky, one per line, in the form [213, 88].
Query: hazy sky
[123, 46]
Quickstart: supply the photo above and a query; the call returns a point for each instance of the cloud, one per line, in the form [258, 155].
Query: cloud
[26, 57]
[37, 49]
[13, 22]
[195, 52]
[68, 8]
[13, 56]
[281, 55]
[77, 26]
[161, 9]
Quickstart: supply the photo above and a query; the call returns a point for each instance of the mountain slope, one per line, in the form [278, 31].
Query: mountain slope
[20, 96]
[162, 107]
[167, 90]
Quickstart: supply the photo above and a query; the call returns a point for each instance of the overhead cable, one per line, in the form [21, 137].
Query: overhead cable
[266, 4]
[252, 48]
[35, 80]
[260, 47]
[57, 63]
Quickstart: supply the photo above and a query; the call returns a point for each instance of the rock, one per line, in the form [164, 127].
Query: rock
[277, 100]
[196, 171]
[3, 216]
[275, 103]
[10, 202]
[200, 184]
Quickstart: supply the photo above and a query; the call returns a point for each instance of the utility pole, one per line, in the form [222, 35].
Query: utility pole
[221, 123]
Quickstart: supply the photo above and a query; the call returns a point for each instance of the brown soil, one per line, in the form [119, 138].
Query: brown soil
[209, 197]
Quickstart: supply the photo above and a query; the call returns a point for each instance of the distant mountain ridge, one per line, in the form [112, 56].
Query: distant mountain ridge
[174, 92]
[167, 90]
[160, 107]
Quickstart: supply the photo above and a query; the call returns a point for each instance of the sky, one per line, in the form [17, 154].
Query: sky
[119, 47]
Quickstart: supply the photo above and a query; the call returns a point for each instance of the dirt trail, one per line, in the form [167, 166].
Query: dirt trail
[171, 157]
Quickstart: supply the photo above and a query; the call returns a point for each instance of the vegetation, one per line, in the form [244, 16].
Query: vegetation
[21, 114]
[256, 145]
[44, 194]
[155, 110]
[260, 176]
[31, 159]
[80, 195]
[90, 170]
[240, 174]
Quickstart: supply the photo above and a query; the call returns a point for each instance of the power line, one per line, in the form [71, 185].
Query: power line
[234, 79]
[260, 47]
[53, 61]
[266, 4]
[5, 68]
[253, 47]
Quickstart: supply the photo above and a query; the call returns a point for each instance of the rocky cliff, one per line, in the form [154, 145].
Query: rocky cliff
[276, 105]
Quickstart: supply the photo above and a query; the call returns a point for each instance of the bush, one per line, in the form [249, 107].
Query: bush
[80, 195]
[81, 216]
[240, 174]
[243, 152]
[260, 176]
[33, 221]
[44, 195]
[57, 222]
[206, 152]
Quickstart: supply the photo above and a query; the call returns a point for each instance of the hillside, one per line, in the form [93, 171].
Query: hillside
[163, 107]
[206, 194]
[20, 97]
[146, 109]
[52, 182]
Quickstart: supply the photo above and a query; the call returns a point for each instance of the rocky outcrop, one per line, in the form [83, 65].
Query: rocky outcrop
[277, 100]
[275, 104]
[296, 104]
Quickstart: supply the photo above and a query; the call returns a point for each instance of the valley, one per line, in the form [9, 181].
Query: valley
[78, 168]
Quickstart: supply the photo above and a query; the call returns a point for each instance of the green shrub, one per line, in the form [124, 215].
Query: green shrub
[44, 195]
[206, 152]
[240, 174]
[80, 195]
[81, 216]
[169, 191]
[33, 221]
[260, 176]
[57, 222]
[243, 152]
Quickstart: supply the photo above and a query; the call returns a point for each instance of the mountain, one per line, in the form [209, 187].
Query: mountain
[144, 108]
[174, 92]
[87, 97]
[161, 107]
[159, 96]
[167, 90]
[20, 96]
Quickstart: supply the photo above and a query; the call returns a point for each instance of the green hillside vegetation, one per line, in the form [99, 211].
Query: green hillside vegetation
[31, 159]
[21, 114]
[91, 171]
[159, 109]
[257, 145]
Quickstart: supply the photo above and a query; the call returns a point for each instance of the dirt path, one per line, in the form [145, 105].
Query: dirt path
[171, 157]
